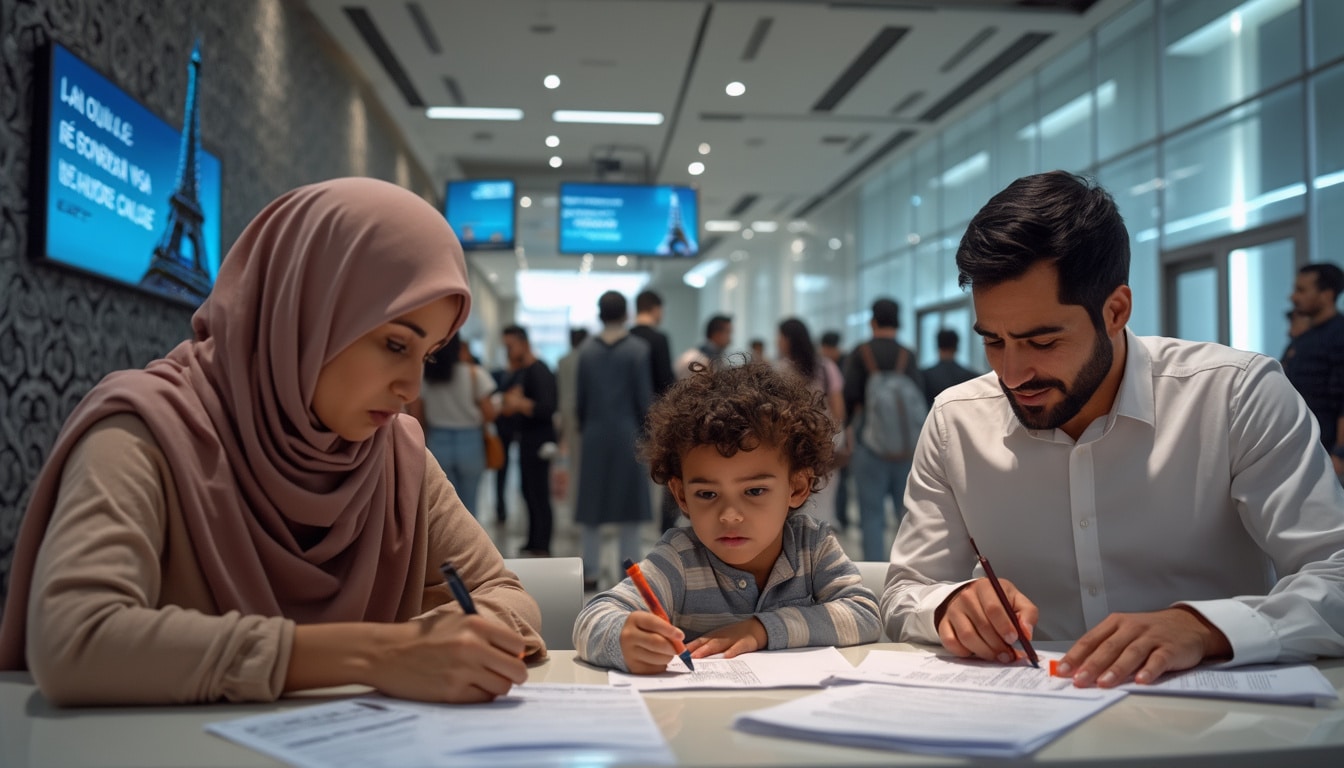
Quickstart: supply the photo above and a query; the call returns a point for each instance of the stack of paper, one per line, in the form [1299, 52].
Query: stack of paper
[536, 724]
[929, 720]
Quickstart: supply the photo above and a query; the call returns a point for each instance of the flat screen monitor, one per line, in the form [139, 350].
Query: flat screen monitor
[482, 213]
[115, 194]
[630, 219]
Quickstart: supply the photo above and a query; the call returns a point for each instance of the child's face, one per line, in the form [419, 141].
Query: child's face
[737, 505]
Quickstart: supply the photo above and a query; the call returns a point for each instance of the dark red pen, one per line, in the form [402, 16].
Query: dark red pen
[1003, 600]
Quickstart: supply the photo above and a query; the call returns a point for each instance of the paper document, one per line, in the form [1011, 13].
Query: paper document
[536, 724]
[792, 668]
[1288, 684]
[940, 721]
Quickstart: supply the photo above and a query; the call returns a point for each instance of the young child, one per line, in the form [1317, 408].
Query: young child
[740, 448]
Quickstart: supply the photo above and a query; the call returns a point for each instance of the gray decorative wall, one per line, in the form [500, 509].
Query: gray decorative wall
[278, 106]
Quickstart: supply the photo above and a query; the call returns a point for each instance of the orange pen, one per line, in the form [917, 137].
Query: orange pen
[645, 591]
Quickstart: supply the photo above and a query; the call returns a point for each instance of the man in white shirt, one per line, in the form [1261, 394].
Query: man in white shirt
[1159, 502]
[718, 335]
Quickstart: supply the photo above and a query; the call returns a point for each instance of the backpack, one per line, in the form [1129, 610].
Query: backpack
[894, 408]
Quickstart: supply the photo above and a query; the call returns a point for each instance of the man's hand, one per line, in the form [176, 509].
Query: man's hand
[1142, 645]
[733, 640]
[973, 622]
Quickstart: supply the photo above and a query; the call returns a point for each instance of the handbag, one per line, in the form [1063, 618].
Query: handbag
[494, 446]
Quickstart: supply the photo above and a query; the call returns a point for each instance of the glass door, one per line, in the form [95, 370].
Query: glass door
[1234, 290]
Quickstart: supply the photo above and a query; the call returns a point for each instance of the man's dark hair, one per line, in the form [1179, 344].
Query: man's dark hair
[830, 339]
[716, 324]
[1328, 277]
[1058, 217]
[647, 301]
[611, 307]
[948, 339]
[886, 313]
[515, 330]
[758, 343]
[576, 337]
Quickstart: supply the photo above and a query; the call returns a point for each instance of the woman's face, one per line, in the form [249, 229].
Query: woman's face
[367, 384]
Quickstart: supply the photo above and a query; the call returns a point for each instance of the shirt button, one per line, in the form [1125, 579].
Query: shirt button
[741, 583]
[1085, 523]
[1092, 591]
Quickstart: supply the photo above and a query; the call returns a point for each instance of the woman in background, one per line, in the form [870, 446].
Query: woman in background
[797, 353]
[454, 405]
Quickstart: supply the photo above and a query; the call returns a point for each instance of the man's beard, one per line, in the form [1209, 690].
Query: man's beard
[1085, 384]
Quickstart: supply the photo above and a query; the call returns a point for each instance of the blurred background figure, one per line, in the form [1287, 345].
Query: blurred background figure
[615, 391]
[830, 349]
[454, 405]
[1314, 359]
[718, 336]
[566, 465]
[758, 351]
[947, 372]
[797, 354]
[530, 397]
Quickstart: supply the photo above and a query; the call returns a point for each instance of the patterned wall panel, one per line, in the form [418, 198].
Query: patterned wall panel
[278, 106]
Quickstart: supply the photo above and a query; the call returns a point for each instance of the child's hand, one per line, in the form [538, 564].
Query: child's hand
[646, 643]
[732, 640]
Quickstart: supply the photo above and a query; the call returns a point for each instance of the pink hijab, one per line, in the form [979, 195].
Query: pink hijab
[317, 269]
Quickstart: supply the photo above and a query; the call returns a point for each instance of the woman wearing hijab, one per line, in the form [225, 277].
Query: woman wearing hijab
[253, 513]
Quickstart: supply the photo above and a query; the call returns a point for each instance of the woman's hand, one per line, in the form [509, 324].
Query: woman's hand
[448, 657]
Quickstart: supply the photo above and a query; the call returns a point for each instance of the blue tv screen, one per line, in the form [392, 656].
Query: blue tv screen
[114, 199]
[481, 212]
[630, 219]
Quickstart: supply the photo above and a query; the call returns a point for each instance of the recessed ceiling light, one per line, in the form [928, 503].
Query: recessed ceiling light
[552, 141]
[622, 260]
[525, 202]
[704, 148]
[695, 169]
[473, 113]
[556, 162]
[765, 226]
[551, 81]
[722, 225]
[835, 243]
[607, 118]
[735, 89]
[748, 234]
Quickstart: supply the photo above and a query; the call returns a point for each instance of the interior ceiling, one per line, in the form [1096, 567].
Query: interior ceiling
[832, 88]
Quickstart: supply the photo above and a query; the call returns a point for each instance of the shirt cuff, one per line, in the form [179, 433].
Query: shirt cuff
[776, 633]
[1248, 632]
[921, 628]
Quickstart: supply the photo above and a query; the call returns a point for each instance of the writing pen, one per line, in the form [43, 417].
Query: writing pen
[1003, 600]
[656, 608]
[460, 592]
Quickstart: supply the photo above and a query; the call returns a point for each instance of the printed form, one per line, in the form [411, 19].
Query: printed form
[791, 668]
[535, 724]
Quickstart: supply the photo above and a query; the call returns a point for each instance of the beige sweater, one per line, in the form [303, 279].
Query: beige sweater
[121, 613]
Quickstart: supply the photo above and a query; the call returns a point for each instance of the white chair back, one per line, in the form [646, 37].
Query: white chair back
[556, 583]
[875, 578]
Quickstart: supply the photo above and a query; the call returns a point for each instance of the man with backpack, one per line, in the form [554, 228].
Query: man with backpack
[884, 396]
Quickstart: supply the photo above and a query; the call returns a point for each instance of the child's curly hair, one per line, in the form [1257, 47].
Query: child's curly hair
[740, 408]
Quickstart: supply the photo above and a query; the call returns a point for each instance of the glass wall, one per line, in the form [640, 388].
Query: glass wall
[1202, 121]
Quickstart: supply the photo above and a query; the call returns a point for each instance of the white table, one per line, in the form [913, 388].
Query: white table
[1140, 730]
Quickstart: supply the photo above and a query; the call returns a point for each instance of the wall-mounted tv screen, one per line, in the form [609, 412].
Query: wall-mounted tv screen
[630, 219]
[118, 192]
[481, 212]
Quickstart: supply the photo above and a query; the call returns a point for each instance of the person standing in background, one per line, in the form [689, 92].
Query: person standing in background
[718, 335]
[1314, 360]
[648, 316]
[799, 357]
[530, 397]
[947, 372]
[614, 393]
[844, 448]
[566, 465]
[454, 405]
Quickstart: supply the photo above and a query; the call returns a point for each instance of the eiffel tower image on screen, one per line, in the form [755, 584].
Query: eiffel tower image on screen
[178, 268]
[675, 243]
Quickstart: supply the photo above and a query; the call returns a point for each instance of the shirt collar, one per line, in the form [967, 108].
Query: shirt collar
[1134, 398]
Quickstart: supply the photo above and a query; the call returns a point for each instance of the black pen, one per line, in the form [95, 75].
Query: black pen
[1003, 599]
[460, 592]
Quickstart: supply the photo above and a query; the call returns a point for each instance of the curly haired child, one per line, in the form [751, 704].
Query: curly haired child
[740, 448]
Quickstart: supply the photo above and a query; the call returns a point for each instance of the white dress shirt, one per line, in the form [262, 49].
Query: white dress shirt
[1205, 480]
